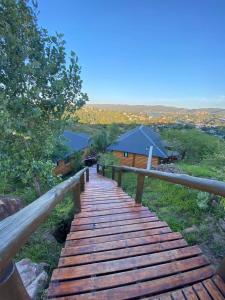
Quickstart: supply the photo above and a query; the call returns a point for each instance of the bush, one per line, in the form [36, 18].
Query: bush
[76, 161]
[192, 144]
[108, 159]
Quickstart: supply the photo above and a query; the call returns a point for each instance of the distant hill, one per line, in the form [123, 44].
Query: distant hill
[154, 108]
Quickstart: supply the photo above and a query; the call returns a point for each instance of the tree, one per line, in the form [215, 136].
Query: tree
[100, 141]
[105, 137]
[39, 88]
[192, 144]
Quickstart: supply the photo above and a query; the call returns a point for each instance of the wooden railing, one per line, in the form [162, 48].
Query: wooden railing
[208, 185]
[16, 229]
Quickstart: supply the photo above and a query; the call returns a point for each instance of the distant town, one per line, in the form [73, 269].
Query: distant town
[210, 120]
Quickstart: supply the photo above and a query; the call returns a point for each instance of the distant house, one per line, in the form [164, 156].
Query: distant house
[75, 142]
[132, 148]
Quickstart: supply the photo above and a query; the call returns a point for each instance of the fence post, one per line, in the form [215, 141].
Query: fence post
[221, 270]
[139, 188]
[82, 183]
[11, 285]
[103, 170]
[119, 180]
[87, 175]
[76, 196]
[113, 173]
[97, 167]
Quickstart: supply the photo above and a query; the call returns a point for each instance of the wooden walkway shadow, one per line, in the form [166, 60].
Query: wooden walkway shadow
[117, 249]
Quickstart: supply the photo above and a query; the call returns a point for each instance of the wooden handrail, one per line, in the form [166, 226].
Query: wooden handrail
[16, 229]
[208, 185]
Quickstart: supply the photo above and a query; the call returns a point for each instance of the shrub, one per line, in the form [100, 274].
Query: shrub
[108, 159]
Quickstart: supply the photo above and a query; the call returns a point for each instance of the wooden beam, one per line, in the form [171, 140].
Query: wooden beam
[82, 183]
[76, 196]
[87, 174]
[17, 228]
[119, 180]
[207, 185]
[113, 173]
[11, 285]
[103, 170]
[139, 188]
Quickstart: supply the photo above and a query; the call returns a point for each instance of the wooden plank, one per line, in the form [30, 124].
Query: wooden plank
[123, 278]
[112, 224]
[177, 295]
[105, 196]
[120, 253]
[112, 218]
[212, 290]
[146, 288]
[190, 293]
[219, 283]
[118, 244]
[118, 229]
[124, 264]
[87, 203]
[136, 208]
[108, 206]
[120, 236]
[201, 291]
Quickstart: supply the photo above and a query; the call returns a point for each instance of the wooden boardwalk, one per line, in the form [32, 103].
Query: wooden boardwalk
[120, 250]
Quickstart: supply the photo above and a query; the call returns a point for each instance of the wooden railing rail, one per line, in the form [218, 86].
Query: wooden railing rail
[207, 185]
[16, 229]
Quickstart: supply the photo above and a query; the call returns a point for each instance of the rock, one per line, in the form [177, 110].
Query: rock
[214, 203]
[37, 285]
[48, 236]
[9, 205]
[222, 224]
[170, 168]
[34, 276]
[191, 229]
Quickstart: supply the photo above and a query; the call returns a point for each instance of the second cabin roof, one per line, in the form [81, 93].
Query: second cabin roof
[138, 140]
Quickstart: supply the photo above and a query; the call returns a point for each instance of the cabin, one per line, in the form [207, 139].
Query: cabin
[132, 148]
[75, 142]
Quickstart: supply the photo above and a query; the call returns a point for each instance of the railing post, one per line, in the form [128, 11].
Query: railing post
[113, 173]
[97, 167]
[76, 196]
[11, 285]
[139, 188]
[119, 180]
[103, 170]
[82, 183]
[87, 175]
[221, 270]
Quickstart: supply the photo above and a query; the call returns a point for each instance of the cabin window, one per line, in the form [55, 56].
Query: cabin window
[125, 154]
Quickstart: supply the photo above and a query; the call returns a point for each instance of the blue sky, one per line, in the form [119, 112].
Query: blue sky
[167, 52]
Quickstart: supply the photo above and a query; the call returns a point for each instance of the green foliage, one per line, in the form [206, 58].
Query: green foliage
[193, 144]
[100, 141]
[105, 137]
[108, 159]
[113, 132]
[39, 87]
[203, 200]
[76, 161]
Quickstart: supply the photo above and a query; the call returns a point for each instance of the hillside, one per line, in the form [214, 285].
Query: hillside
[154, 108]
